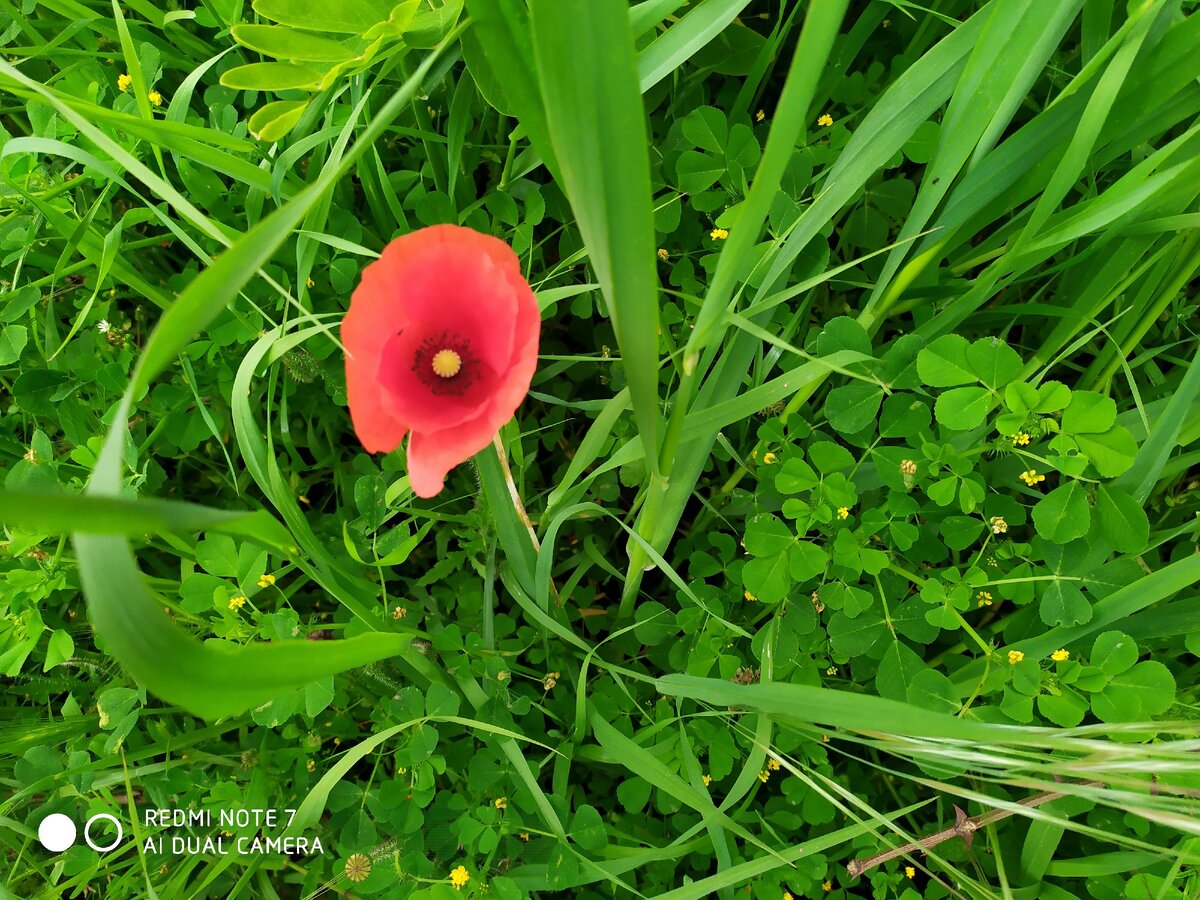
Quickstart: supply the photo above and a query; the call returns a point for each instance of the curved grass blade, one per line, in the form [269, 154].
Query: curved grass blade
[58, 512]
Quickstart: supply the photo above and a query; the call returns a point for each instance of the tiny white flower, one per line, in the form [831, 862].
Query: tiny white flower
[103, 327]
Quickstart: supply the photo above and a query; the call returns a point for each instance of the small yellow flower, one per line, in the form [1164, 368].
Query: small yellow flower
[908, 467]
[399, 613]
[773, 765]
[827, 885]
[524, 836]
[768, 458]
[843, 512]
[999, 524]
[1060, 655]
[155, 98]
[832, 670]
[123, 82]
[749, 596]
[663, 254]
[358, 867]
[311, 284]
[787, 895]
[984, 598]
[266, 581]
[718, 234]
[763, 776]
[1031, 477]
[550, 680]
[459, 877]
[910, 872]
[707, 779]
[311, 765]
[759, 116]
[825, 120]
[1014, 657]
[236, 603]
[501, 803]
[1020, 439]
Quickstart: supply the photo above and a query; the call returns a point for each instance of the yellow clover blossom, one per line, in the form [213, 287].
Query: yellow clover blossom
[763, 776]
[843, 512]
[759, 116]
[707, 779]
[1020, 439]
[1014, 657]
[155, 98]
[501, 803]
[266, 581]
[825, 120]
[1031, 477]
[768, 458]
[1060, 655]
[459, 877]
[773, 765]
[718, 234]
[909, 872]
[749, 596]
[123, 82]
[236, 603]
[663, 254]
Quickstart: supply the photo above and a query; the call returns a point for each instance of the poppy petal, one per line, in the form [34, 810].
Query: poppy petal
[432, 455]
[437, 289]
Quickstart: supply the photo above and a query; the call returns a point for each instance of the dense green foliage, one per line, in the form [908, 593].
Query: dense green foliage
[853, 503]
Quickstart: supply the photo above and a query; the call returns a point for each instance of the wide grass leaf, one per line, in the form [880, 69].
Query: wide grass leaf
[597, 127]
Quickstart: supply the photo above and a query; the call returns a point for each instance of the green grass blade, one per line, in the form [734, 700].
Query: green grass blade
[685, 37]
[502, 28]
[58, 512]
[598, 131]
[816, 40]
[206, 679]
[1156, 450]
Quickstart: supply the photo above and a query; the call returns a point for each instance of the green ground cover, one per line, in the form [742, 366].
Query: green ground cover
[845, 545]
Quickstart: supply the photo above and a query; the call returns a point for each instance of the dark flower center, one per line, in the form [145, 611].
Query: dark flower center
[445, 365]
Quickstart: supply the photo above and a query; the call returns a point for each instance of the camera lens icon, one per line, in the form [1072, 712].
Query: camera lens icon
[58, 832]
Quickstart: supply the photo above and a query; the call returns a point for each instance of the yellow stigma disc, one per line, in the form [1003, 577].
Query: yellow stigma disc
[446, 363]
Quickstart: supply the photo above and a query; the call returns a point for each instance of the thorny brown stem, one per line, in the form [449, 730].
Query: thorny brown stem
[964, 827]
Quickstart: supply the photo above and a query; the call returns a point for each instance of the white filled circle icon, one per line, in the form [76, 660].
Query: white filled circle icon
[57, 832]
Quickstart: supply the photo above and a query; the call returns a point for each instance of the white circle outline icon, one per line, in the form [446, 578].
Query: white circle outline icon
[56, 832]
[87, 836]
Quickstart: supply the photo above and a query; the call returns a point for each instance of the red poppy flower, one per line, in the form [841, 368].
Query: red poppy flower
[441, 341]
